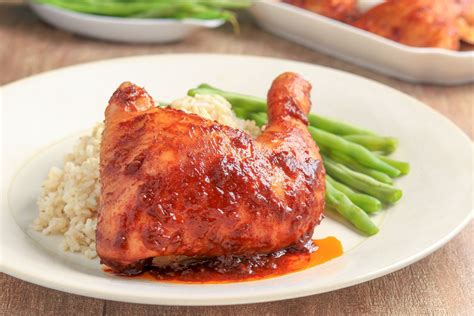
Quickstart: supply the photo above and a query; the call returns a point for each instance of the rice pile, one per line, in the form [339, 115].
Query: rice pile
[215, 107]
[69, 197]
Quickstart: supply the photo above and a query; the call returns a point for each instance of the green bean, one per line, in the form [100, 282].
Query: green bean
[259, 118]
[402, 166]
[386, 145]
[241, 113]
[361, 182]
[336, 127]
[354, 165]
[356, 151]
[343, 205]
[198, 9]
[181, 11]
[366, 202]
[112, 8]
[226, 4]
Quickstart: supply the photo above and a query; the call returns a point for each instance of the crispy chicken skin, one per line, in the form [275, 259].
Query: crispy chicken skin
[175, 184]
[341, 10]
[420, 23]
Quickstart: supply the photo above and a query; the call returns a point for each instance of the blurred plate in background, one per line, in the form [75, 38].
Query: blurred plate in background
[131, 30]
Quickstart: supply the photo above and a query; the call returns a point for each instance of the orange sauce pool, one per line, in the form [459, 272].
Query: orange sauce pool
[240, 269]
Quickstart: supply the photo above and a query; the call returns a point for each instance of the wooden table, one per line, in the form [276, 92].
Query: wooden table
[442, 283]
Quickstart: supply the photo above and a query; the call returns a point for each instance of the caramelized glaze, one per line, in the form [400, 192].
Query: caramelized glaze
[175, 184]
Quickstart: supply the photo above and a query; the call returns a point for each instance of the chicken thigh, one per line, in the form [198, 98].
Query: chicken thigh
[175, 185]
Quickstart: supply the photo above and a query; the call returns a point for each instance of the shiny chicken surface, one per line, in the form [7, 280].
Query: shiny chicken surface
[175, 185]
[341, 10]
[421, 23]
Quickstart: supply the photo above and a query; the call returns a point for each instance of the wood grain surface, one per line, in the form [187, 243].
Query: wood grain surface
[440, 284]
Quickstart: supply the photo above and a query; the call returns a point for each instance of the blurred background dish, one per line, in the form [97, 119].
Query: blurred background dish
[416, 64]
[122, 29]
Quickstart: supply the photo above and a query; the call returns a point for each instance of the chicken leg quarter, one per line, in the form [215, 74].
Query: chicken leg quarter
[177, 185]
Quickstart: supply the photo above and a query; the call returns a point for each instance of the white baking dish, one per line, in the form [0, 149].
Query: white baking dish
[430, 65]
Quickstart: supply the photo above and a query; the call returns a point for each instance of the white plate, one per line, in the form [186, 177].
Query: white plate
[44, 114]
[121, 29]
[431, 65]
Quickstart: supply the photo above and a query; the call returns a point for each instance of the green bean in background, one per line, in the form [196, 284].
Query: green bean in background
[175, 9]
[119, 9]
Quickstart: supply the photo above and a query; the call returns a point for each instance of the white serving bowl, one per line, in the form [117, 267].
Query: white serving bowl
[130, 30]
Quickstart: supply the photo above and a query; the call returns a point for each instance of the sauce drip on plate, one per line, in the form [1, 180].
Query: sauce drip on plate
[228, 269]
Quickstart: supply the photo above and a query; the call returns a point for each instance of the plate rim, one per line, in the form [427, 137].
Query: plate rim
[287, 294]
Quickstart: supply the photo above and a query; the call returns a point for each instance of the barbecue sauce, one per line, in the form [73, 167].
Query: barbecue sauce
[227, 269]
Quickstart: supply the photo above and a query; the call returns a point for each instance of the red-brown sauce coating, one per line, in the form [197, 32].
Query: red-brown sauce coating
[178, 185]
[226, 269]
[214, 197]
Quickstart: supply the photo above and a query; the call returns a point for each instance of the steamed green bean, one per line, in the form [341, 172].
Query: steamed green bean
[385, 145]
[354, 214]
[366, 202]
[361, 182]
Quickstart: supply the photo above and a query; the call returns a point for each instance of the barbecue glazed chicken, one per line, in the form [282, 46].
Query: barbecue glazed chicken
[422, 23]
[177, 187]
[341, 10]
